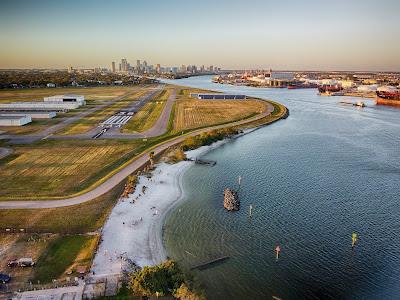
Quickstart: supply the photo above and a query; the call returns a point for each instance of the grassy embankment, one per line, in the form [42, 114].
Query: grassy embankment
[192, 114]
[148, 115]
[81, 218]
[56, 168]
[94, 96]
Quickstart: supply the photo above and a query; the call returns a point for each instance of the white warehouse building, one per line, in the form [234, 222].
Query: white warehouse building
[32, 114]
[66, 98]
[41, 105]
[14, 120]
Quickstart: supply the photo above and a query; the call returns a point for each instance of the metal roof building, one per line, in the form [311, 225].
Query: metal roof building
[14, 120]
[41, 105]
[32, 114]
[218, 96]
[67, 98]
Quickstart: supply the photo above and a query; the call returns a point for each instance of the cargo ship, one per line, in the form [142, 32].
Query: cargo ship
[388, 96]
[299, 85]
[328, 89]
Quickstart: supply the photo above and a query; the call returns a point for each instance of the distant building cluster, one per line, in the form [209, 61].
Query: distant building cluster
[144, 68]
[360, 81]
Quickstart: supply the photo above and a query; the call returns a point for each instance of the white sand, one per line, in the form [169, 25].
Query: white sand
[134, 230]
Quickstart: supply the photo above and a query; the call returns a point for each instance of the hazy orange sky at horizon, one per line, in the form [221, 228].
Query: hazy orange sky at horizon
[312, 35]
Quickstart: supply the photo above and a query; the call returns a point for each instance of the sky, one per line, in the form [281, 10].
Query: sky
[231, 34]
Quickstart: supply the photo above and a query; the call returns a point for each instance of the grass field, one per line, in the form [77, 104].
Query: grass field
[63, 252]
[81, 218]
[90, 93]
[148, 115]
[89, 122]
[14, 246]
[191, 114]
[60, 167]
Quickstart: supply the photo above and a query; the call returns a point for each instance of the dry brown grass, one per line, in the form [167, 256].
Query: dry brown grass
[81, 218]
[190, 114]
[59, 168]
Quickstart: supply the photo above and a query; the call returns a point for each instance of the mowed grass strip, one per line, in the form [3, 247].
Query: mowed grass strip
[91, 121]
[81, 218]
[37, 94]
[148, 115]
[191, 114]
[60, 168]
[60, 254]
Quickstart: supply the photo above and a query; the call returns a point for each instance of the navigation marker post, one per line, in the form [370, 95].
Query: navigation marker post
[353, 239]
[277, 250]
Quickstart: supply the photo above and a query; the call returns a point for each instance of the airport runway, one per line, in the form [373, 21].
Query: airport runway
[120, 176]
[47, 133]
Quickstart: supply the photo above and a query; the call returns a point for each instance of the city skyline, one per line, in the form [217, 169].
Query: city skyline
[230, 34]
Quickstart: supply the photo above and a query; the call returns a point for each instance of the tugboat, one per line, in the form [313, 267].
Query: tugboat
[388, 95]
[329, 89]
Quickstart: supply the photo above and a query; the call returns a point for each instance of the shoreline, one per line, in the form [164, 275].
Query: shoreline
[135, 231]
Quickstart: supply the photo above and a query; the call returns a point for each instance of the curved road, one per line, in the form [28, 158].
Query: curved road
[5, 152]
[121, 175]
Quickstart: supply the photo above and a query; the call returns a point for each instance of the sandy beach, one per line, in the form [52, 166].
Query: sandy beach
[134, 228]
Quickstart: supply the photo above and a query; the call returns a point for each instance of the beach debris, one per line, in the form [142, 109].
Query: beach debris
[144, 188]
[129, 186]
[190, 253]
[151, 159]
[353, 239]
[231, 200]
[277, 251]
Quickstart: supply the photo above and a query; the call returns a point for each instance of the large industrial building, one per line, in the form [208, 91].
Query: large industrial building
[53, 103]
[32, 114]
[218, 96]
[14, 120]
[57, 106]
[67, 98]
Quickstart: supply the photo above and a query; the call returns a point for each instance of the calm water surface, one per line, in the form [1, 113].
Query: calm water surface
[313, 179]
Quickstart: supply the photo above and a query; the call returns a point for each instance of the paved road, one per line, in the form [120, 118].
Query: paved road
[118, 177]
[5, 152]
[26, 139]
[61, 293]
